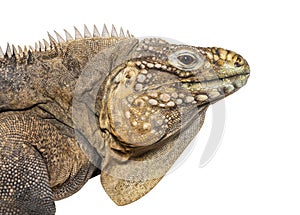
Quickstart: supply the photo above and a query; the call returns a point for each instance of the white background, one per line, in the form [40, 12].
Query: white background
[256, 169]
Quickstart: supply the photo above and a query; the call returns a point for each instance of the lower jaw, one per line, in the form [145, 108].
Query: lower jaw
[219, 87]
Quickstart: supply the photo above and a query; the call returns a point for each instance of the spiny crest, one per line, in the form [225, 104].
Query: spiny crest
[12, 51]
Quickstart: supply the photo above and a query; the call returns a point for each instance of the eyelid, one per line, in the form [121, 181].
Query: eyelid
[173, 60]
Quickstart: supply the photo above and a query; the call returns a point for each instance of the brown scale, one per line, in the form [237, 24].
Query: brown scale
[139, 105]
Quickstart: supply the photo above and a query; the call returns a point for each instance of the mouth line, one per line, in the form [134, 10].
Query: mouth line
[215, 79]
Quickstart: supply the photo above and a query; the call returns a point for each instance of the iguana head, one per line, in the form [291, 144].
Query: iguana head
[154, 104]
[158, 92]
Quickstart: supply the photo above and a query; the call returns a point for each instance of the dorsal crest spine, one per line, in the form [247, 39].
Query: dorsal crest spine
[44, 45]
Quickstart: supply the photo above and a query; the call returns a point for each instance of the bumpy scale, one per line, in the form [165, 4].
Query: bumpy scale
[72, 108]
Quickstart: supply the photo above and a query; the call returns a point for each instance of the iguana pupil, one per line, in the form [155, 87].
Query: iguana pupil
[186, 59]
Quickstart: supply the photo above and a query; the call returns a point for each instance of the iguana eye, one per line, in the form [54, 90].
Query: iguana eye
[185, 59]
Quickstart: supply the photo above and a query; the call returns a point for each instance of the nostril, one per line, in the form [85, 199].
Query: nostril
[238, 61]
[237, 64]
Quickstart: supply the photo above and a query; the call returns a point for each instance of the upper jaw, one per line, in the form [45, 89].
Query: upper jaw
[216, 88]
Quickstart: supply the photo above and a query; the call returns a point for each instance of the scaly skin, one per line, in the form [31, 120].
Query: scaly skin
[109, 102]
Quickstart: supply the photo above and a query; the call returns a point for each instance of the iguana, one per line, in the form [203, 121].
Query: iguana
[107, 103]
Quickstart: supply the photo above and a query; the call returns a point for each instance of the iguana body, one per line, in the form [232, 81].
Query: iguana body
[109, 102]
